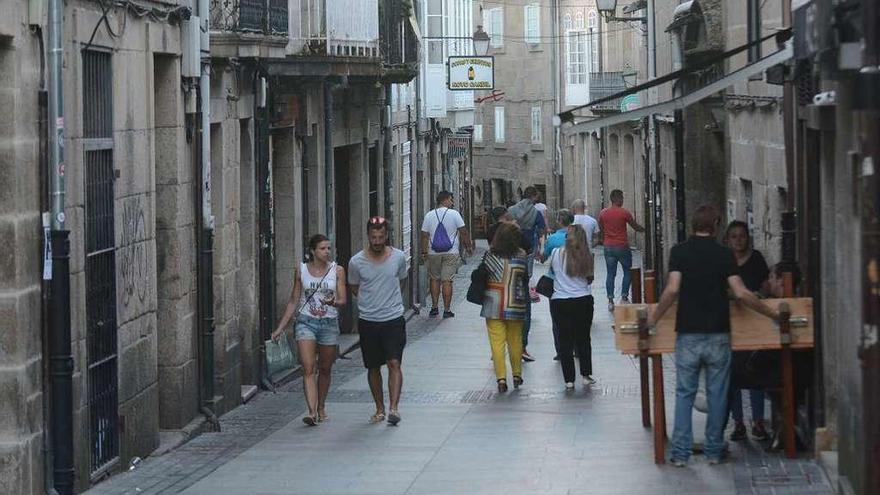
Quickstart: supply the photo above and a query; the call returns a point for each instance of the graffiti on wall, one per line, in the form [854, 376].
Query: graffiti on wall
[133, 262]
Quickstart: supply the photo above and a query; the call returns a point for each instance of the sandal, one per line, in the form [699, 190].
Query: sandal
[310, 421]
[322, 416]
[517, 381]
[377, 418]
[502, 385]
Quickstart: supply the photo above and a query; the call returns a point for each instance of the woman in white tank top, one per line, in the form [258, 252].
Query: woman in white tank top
[318, 291]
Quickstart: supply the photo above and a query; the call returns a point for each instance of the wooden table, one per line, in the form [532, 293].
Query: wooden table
[750, 331]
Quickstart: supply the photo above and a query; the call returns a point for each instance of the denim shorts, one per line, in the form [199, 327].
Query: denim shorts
[323, 330]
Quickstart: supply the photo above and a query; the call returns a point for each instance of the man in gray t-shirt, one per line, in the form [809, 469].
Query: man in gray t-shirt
[376, 276]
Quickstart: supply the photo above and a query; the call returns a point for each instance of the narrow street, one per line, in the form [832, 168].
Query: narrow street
[458, 435]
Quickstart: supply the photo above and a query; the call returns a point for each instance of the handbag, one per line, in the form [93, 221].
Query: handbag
[545, 286]
[476, 292]
[279, 357]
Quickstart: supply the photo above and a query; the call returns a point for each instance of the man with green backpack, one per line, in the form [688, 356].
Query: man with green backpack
[441, 231]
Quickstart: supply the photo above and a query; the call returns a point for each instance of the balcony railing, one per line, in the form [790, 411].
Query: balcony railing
[350, 28]
[400, 43]
[604, 84]
[250, 16]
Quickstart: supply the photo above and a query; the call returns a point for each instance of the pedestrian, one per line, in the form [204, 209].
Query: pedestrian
[499, 215]
[376, 276]
[571, 305]
[612, 226]
[556, 240]
[318, 290]
[754, 272]
[441, 230]
[700, 273]
[532, 226]
[506, 300]
[590, 224]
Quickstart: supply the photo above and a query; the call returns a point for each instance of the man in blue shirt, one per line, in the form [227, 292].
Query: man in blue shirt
[557, 239]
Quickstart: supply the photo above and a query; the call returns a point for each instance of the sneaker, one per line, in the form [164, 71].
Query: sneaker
[759, 431]
[527, 357]
[569, 386]
[434, 312]
[610, 305]
[678, 462]
[588, 380]
[739, 432]
[714, 461]
[448, 314]
[624, 300]
[393, 418]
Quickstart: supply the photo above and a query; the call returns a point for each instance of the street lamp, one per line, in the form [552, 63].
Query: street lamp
[481, 41]
[607, 9]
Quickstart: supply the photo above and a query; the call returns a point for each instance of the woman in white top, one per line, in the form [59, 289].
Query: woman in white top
[571, 305]
[318, 290]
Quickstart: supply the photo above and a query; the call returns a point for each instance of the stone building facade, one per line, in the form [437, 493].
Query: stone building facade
[297, 142]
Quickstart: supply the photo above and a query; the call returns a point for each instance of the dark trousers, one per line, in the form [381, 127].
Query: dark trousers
[573, 319]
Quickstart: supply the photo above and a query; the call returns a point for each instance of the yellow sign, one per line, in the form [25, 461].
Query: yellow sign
[471, 73]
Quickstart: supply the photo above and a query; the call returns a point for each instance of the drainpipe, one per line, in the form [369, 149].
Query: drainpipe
[206, 251]
[60, 357]
[680, 220]
[388, 159]
[557, 103]
[329, 165]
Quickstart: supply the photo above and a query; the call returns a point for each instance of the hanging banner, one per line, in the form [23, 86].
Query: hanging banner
[470, 73]
[458, 145]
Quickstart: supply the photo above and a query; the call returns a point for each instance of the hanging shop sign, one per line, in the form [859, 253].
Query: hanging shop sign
[458, 145]
[470, 73]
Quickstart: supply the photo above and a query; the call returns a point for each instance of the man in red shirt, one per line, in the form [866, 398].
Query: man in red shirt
[612, 226]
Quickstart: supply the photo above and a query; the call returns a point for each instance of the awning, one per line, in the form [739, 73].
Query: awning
[682, 102]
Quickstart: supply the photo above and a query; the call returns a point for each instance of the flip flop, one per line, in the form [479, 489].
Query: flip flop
[310, 420]
[377, 418]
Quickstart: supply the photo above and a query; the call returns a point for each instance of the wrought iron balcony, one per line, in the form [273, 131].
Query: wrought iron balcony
[250, 16]
[604, 84]
[400, 41]
[349, 28]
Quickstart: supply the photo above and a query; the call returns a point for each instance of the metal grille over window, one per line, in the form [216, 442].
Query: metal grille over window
[100, 261]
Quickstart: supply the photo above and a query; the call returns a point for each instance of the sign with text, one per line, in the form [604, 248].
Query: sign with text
[470, 73]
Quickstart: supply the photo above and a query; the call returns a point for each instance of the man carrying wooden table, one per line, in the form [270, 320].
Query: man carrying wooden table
[700, 272]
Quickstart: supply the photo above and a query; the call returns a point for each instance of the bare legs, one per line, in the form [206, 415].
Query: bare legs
[395, 384]
[317, 362]
[446, 286]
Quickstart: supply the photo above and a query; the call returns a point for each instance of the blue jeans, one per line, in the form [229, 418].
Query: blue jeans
[694, 352]
[756, 397]
[614, 255]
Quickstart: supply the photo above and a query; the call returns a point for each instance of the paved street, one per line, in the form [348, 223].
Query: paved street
[458, 435]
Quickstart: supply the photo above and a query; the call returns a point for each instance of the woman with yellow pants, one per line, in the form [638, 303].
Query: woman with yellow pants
[504, 306]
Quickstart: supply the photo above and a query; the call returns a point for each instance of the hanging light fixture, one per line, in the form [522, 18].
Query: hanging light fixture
[481, 41]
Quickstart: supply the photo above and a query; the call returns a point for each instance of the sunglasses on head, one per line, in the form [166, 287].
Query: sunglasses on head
[377, 220]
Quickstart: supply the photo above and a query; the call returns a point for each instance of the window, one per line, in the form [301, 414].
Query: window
[579, 20]
[754, 28]
[576, 67]
[593, 28]
[493, 20]
[435, 23]
[566, 22]
[536, 125]
[532, 23]
[499, 124]
[478, 133]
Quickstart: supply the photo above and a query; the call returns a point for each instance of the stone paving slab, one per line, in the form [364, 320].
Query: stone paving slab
[458, 435]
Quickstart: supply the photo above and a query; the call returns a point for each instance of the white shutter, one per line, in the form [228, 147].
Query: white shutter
[536, 125]
[532, 23]
[496, 26]
[499, 124]
[478, 133]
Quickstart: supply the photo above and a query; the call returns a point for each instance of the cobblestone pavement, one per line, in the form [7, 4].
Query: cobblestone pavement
[458, 435]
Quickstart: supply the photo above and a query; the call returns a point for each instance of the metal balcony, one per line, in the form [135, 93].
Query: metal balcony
[604, 84]
[249, 16]
[336, 28]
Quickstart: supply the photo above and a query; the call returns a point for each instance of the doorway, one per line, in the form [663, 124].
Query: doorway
[342, 169]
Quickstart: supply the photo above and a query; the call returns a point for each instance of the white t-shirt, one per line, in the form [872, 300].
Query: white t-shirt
[590, 225]
[452, 221]
[565, 286]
